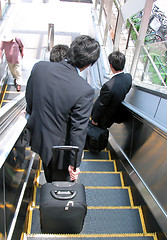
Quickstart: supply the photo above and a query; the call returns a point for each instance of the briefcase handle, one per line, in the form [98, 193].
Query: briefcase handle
[63, 194]
[68, 148]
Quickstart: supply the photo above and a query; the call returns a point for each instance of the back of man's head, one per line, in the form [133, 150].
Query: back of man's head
[117, 60]
[84, 51]
[59, 52]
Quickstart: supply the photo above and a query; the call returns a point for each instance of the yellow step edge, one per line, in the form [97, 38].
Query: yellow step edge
[104, 187]
[112, 207]
[11, 92]
[29, 219]
[97, 160]
[34, 196]
[122, 179]
[130, 196]
[39, 236]
[3, 95]
[105, 150]
[101, 172]
[38, 172]
[32, 207]
[6, 100]
[142, 219]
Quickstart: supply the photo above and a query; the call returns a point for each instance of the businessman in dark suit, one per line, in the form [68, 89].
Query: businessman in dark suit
[56, 95]
[107, 106]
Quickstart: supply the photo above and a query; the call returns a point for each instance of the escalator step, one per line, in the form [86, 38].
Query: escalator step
[11, 88]
[10, 95]
[97, 166]
[107, 197]
[102, 221]
[100, 155]
[112, 221]
[101, 197]
[100, 179]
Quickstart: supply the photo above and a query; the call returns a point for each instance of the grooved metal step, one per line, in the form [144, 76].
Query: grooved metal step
[101, 165]
[103, 220]
[100, 179]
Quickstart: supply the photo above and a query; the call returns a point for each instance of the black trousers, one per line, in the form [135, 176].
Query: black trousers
[52, 173]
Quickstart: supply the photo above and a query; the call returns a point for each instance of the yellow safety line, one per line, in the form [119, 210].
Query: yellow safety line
[97, 160]
[100, 207]
[29, 222]
[34, 196]
[12, 92]
[3, 95]
[38, 172]
[115, 166]
[122, 180]
[102, 172]
[109, 154]
[6, 100]
[93, 235]
[155, 236]
[101, 187]
[130, 196]
[142, 219]
[113, 207]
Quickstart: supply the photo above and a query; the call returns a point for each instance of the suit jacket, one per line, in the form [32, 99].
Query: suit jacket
[57, 95]
[112, 93]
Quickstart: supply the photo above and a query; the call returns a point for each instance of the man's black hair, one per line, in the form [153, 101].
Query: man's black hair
[59, 52]
[83, 51]
[117, 60]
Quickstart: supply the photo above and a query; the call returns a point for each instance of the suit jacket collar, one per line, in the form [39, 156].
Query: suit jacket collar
[68, 65]
[117, 74]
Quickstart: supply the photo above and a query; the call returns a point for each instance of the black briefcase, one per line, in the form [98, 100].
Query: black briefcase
[62, 204]
[97, 138]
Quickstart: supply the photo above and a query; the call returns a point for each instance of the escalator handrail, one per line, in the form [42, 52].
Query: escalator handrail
[13, 119]
[155, 123]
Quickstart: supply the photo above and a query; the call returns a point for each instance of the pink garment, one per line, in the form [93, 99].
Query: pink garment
[12, 51]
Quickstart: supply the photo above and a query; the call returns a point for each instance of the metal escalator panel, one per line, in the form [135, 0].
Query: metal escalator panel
[10, 93]
[111, 211]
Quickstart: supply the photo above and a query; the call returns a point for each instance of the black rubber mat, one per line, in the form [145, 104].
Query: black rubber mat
[107, 197]
[35, 225]
[100, 155]
[97, 166]
[100, 179]
[115, 221]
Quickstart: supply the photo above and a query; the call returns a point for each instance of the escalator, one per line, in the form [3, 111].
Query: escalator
[111, 210]
[10, 93]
